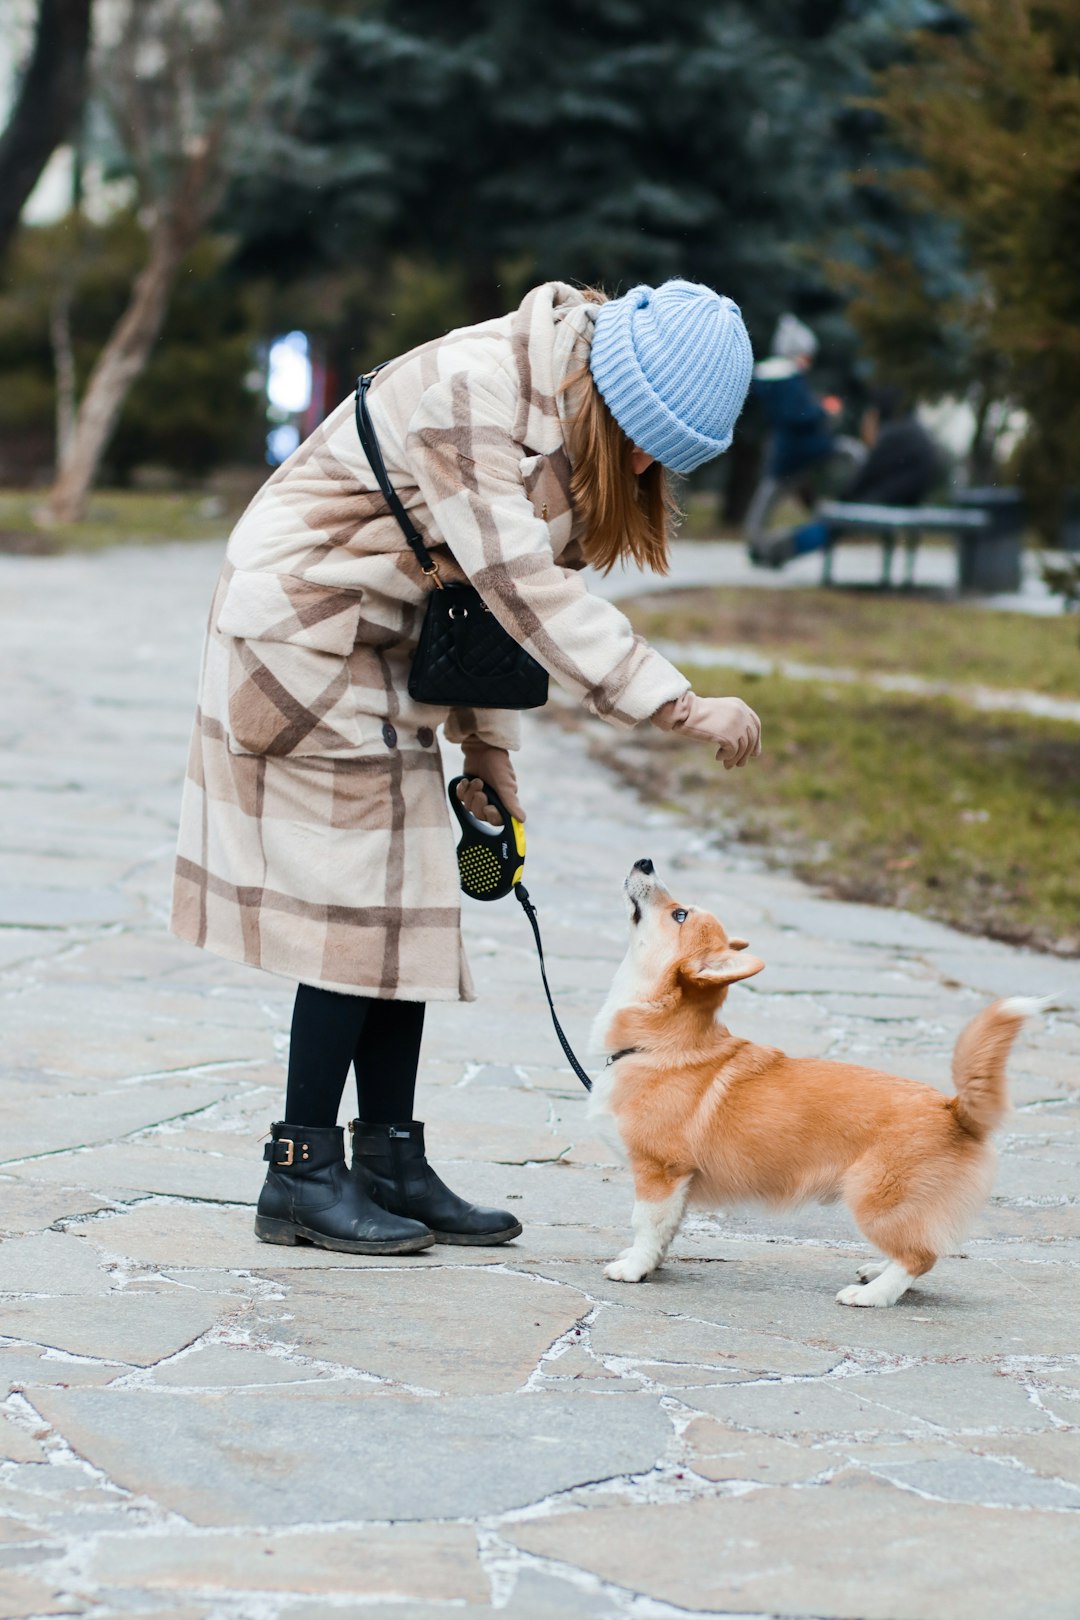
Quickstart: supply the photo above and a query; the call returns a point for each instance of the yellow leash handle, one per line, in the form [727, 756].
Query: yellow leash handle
[491, 860]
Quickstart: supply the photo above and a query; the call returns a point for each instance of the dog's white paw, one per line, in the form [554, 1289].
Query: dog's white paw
[629, 1267]
[860, 1294]
[872, 1269]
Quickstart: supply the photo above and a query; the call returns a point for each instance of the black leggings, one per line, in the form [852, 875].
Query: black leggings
[381, 1039]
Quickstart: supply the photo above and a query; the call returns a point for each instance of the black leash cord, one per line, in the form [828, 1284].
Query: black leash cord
[530, 911]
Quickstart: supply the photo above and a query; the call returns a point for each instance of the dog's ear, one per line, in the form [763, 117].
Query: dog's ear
[724, 967]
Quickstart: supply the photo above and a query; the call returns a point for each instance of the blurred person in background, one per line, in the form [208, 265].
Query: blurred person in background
[315, 835]
[801, 437]
[901, 467]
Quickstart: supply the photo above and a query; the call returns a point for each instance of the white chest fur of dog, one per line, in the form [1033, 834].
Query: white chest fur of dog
[707, 1118]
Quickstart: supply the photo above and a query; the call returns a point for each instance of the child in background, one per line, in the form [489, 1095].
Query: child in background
[801, 438]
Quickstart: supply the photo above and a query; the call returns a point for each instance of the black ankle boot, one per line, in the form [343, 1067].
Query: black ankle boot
[389, 1162]
[310, 1197]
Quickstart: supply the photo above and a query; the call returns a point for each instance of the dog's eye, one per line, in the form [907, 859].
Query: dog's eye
[680, 916]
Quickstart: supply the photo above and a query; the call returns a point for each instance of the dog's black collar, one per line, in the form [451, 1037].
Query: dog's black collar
[627, 1051]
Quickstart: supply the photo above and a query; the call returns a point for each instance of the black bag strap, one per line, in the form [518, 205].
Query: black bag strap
[530, 911]
[369, 440]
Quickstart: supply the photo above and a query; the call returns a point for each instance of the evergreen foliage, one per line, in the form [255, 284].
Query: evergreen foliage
[483, 147]
[593, 140]
[992, 112]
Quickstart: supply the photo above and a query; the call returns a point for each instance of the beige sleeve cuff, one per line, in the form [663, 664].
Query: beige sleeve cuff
[500, 728]
[677, 714]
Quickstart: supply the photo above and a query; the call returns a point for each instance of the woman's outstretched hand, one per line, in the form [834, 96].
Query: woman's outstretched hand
[728, 722]
[484, 763]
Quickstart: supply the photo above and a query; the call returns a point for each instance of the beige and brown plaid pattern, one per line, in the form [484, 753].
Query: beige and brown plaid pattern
[315, 838]
[317, 843]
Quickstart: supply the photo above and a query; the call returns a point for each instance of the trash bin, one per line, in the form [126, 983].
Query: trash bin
[989, 560]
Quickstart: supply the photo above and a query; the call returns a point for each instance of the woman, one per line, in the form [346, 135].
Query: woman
[315, 839]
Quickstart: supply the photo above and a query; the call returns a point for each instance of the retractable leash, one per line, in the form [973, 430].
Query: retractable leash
[491, 862]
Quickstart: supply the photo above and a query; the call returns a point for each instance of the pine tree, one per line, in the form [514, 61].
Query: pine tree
[609, 141]
[596, 140]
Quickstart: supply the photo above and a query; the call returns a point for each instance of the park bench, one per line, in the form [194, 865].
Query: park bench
[987, 524]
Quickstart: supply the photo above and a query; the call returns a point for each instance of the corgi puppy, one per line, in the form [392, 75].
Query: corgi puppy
[709, 1119]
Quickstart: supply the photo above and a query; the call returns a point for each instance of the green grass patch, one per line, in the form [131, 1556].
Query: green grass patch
[117, 518]
[939, 641]
[969, 818]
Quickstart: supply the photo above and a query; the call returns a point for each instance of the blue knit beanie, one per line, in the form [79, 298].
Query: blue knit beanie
[673, 364]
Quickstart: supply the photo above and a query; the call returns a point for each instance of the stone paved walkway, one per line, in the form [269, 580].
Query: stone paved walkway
[199, 1425]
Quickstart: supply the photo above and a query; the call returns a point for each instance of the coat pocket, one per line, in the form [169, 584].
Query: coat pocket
[290, 688]
[290, 700]
[285, 608]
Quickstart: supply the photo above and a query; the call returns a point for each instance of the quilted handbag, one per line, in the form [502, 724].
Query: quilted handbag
[464, 657]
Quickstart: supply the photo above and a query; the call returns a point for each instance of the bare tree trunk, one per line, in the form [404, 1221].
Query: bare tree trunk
[483, 295]
[50, 101]
[64, 370]
[195, 194]
[744, 468]
[120, 362]
[981, 454]
[63, 349]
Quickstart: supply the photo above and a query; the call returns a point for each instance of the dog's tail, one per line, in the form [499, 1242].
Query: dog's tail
[978, 1065]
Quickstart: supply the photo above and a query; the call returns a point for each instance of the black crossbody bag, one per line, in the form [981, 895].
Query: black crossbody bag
[464, 657]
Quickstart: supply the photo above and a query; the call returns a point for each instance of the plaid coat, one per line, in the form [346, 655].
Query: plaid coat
[315, 839]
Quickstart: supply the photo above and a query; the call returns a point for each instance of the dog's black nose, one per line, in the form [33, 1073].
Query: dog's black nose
[644, 866]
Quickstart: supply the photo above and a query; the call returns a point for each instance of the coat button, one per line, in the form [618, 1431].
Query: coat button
[425, 736]
[389, 735]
